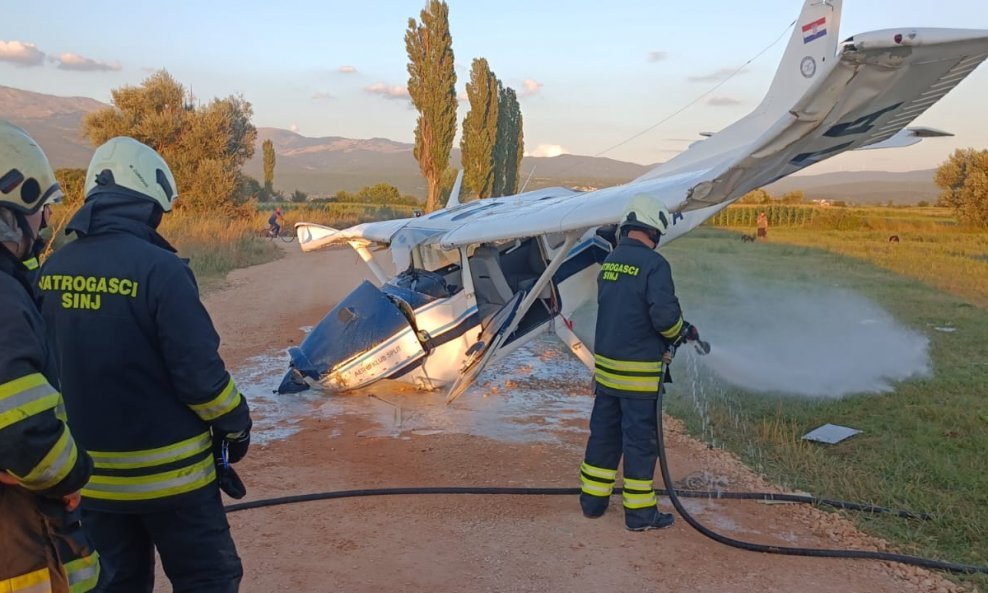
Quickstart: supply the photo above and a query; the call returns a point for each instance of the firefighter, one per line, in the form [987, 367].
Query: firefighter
[638, 319]
[42, 469]
[145, 387]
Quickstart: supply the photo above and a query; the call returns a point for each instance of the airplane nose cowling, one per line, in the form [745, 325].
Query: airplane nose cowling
[358, 325]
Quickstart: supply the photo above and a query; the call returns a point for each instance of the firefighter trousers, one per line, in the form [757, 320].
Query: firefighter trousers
[194, 542]
[621, 426]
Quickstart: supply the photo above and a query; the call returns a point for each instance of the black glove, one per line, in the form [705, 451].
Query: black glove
[237, 445]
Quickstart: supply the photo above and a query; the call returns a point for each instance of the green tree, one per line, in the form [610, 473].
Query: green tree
[381, 193]
[963, 181]
[432, 87]
[756, 196]
[793, 197]
[268, 148]
[298, 196]
[480, 129]
[205, 146]
[510, 145]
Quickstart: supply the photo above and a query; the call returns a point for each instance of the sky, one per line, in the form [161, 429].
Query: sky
[590, 75]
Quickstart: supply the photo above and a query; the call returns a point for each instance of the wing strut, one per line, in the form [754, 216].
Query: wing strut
[361, 248]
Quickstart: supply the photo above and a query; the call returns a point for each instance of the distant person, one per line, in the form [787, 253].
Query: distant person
[638, 319]
[42, 469]
[762, 225]
[144, 384]
[274, 228]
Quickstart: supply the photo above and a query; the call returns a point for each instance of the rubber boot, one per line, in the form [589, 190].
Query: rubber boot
[593, 506]
[646, 519]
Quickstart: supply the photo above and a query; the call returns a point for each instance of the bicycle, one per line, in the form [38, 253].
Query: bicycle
[287, 234]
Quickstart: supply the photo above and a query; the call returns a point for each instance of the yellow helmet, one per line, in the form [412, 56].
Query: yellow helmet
[27, 181]
[646, 212]
[125, 162]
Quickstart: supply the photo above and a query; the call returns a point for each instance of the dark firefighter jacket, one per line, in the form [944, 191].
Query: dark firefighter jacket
[143, 382]
[638, 316]
[42, 546]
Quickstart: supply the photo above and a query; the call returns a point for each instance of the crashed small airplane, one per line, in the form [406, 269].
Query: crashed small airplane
[479, 279]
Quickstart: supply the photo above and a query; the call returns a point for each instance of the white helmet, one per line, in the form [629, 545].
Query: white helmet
[127, 163]
[27, 181]
[646, 212]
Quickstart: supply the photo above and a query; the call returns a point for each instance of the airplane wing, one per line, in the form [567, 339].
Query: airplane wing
[878, 83]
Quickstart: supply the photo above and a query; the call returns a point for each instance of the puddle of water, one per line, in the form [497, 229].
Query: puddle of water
[533, 395]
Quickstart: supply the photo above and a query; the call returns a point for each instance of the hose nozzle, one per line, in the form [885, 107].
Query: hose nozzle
[702, 347]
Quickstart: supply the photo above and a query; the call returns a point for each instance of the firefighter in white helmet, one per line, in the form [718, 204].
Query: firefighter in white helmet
[42, 470]
[148, 394]
[638, 319]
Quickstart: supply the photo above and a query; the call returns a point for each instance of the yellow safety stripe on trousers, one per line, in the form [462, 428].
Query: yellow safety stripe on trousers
[227, 400]
[638, 494]
[597, 481]
[627, 382]
[54, 466]
[672, 332]
[160, 485]
[151, 457]
[25, 397]
[83, 573]
[38, 581]
[634, 366]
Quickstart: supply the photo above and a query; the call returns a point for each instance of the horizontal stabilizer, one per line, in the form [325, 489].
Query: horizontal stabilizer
[313, 236]
[907, 137]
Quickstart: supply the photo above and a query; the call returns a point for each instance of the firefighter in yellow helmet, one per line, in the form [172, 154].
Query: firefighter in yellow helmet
[145, 387]
[638, 318]
[42, 470]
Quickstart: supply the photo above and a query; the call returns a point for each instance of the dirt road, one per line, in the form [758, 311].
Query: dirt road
[490, 437]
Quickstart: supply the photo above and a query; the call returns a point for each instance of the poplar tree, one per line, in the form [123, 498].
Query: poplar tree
[432, 87]
[510, 144]
[268, 148]
[480, 129]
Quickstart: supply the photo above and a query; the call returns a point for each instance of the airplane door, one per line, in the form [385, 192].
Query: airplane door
[480, 353]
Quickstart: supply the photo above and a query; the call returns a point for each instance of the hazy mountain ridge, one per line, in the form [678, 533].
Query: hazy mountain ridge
[328, 164]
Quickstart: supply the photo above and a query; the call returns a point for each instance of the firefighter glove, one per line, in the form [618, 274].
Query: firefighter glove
[232, 446]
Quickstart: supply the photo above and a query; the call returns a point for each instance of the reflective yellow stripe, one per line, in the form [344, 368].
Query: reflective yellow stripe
[25, 397]
[629, 365]
[673, 331]
[60, 412]
[627, 383]
[160, 485]
[83, 573]
[227, 400]
[38, 581]
[31, 263]
[595, 488]
[55, 465]
[637, 484]
[598, 472]
[638, 494]
[151, 457]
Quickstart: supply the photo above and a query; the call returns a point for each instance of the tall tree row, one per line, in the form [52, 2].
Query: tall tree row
[267, 147]
[432, 87]
[510, 145]
[480, 129]
[205, 146]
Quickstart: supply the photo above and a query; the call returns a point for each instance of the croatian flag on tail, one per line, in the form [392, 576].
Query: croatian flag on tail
[815, 30]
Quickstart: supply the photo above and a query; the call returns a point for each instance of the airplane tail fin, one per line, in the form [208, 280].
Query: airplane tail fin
[813, 45]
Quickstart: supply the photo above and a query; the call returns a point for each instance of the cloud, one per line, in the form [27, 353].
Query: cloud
[321, 96]
[293, 127]
[530, 87]
[388, 91]
[548, 150]
[657, 56]
[348, 69]
[79, 63]
[22, 54]
[724, 101]
[462, 97]
[714, 76]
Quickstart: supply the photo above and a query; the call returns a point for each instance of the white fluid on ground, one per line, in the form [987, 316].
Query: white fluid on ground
[532, 395]
[826, 343]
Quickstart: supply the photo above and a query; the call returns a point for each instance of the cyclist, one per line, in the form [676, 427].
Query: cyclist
[274, 229]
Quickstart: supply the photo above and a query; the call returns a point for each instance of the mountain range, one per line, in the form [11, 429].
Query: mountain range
[323, 166]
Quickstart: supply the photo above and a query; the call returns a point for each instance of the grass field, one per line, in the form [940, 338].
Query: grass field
[923, 444]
